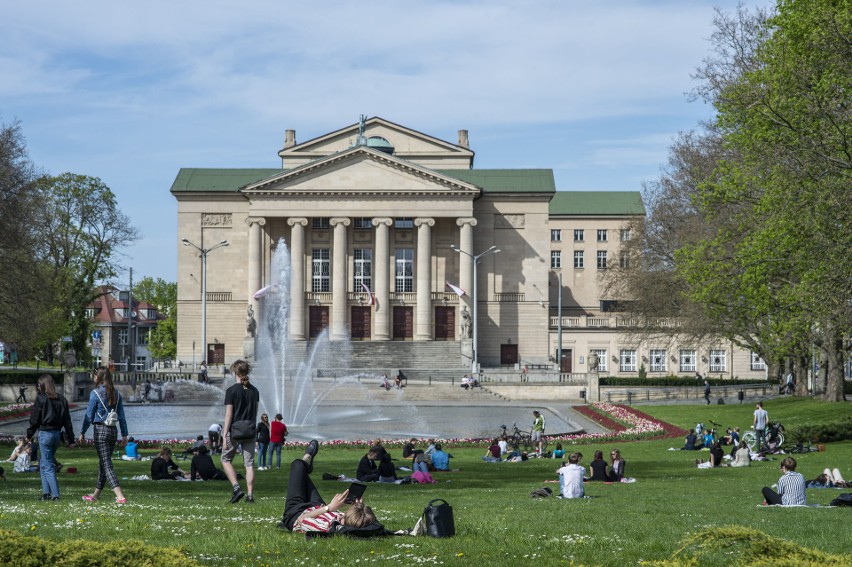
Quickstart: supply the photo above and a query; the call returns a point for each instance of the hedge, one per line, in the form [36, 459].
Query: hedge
[822, 432]
[30, 551]
[28, 377]
[677, 381]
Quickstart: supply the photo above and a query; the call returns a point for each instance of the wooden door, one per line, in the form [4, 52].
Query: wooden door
[318, 320]
[403, 323]
[508, 355]
[216, 354]
[565, 363]
[445, 323]
[360, 323]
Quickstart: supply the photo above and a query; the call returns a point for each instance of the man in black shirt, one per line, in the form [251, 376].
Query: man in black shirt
[241, 402]
[203, 468]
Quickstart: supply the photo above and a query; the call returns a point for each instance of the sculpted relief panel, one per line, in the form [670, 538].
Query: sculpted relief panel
[509, 221]
[215, 219]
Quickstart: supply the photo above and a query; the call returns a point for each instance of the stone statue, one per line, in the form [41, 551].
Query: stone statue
[593, 362]
[465, 324]
[251, 324]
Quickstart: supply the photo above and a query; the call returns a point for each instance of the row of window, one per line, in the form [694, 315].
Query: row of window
[658, 360]
[363, 269]
[580, 259]
[142, 336]
[580, 235]
[362, 223]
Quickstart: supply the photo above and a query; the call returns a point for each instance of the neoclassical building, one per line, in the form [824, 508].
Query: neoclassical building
[383, 223]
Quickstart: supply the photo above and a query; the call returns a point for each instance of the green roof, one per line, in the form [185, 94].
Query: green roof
[224, 180]
[505, 180]
[597, 203]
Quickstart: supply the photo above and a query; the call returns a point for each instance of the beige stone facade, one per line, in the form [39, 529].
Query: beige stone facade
[380, 206]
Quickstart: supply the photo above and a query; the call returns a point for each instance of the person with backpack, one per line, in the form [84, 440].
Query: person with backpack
[105, 405]
[241, 403]
[49, 417]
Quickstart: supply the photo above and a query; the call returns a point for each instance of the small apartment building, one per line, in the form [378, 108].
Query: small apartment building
[121, 329]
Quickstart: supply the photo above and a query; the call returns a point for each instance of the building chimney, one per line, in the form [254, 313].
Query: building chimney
[463, 141]
[289, 138]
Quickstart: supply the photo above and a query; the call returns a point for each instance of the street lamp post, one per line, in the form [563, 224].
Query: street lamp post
[475, 259]
[203, 252]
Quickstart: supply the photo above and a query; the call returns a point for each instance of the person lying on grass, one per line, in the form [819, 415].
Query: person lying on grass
[306, 511]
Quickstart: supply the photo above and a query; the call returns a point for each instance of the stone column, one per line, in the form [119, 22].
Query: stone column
[423, 317]
[297, 278]
[381, 279]
[465, 270]
[338, 279]
[255, 258]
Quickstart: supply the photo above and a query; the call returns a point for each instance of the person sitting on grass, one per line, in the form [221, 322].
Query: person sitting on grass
[715, 459]
[305, 511]
[440, 459]
[597, 468]
[689, 442]
[202, 467]
[164, 468]
[492, 454]
[571, 478]
[131, 451]
[387, 472]
[558, 453]
[742, 458]
[616, 467]
[367, 470]
[19, 448]
[791, 487]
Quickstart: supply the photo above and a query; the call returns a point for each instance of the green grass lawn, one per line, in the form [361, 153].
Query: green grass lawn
[497, 522]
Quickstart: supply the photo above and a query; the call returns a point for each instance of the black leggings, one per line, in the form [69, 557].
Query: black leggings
[301, 493]
[772, 498]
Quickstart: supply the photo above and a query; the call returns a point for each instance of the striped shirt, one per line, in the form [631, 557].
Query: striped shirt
[321, 523]
[791, 488]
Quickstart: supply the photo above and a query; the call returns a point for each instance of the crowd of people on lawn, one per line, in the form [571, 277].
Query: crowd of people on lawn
[305, 510]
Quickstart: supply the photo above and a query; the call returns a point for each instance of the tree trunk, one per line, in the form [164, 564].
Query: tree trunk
[800, 372]
[833, 349]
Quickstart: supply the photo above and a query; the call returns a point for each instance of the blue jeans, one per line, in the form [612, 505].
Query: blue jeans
[420, 466]
[48, 442]
[261, 454]
[275, 449]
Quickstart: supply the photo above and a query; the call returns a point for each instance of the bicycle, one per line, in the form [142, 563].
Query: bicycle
[521, 439]
[774, 436]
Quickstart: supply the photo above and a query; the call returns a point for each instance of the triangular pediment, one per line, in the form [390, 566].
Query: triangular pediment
[407, 144]
[361, 171]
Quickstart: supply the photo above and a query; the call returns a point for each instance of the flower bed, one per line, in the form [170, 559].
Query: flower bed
[15, 411]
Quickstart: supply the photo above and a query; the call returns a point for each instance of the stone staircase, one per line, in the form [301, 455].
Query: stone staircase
[434, 361]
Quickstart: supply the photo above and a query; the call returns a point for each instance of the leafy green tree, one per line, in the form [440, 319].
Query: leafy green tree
[80, 235]
[162, 342]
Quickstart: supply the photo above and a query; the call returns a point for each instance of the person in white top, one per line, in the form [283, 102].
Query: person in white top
[761, 419]
[571, 478]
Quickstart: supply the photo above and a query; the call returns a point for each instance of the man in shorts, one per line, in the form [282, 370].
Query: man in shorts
[241, 402]
[538, 430]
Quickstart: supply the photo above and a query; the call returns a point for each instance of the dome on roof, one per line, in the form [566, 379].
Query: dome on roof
[381, 144]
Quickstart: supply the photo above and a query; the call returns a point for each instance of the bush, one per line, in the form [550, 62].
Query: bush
[670, 381]
[823, 432]
[29, 551]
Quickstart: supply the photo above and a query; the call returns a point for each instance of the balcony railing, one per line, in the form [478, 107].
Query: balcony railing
[611, 322]
[219, 296]
[508, 297]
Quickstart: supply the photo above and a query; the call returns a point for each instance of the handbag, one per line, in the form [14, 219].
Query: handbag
[243, 429]
[439, 519]
[112, 416]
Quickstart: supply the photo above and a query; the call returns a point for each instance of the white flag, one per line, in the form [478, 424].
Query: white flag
[369, 293]
[458, 291]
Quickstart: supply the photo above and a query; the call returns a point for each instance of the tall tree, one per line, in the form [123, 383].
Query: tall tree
[24, 302]
[81, 234]
[162, 342]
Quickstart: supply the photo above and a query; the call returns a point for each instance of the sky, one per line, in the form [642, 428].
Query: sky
[130, 93]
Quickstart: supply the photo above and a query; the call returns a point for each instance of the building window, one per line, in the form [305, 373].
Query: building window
[141, 362]
[363, 271]
[363, 223]
[602, 259]
[718, 360]
[143, 334]
[90, 312]
[405, 222]
[627, 360]
[321, 270]
[555, 235]
[757, 363]
[687, 360]
[658, 360]
[579, 260]
[579, 235]
[625, 234]
[320, 222]
[602, 361]
[601, 235]
[555, 259]
[122, 337]
[624, 259]
[404, 270]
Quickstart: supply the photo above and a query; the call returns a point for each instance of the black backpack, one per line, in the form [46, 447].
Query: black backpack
[842, 500]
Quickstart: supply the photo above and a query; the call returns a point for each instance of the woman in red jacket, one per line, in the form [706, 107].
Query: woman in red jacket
[277, 435]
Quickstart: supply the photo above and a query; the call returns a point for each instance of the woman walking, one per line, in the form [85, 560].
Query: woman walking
[103, 400]
[262, 442]
[49, 416]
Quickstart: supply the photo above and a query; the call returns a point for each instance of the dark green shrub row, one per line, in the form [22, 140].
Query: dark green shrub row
[674, 381]
[28, 377]
[823, 432]
[29, 551]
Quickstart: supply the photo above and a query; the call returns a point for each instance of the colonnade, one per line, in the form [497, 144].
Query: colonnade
[382, 272]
